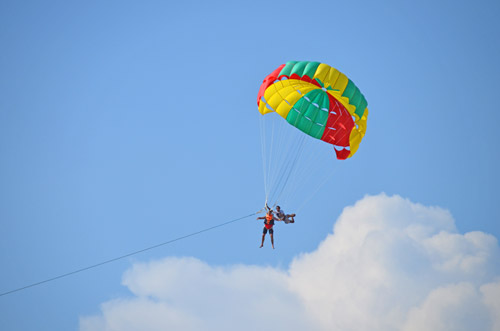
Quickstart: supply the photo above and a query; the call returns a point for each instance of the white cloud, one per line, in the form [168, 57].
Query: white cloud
[390, 264]
[453, 307]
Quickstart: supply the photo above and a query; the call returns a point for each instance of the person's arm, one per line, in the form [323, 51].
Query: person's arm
[261, 218]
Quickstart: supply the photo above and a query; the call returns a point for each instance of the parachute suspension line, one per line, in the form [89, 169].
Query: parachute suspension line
[292, 167]
[305, 172]
[278, 174]
[270, 152]
[286, 167]
[277, 154]
[301, 176]
[313, 194]
[285, 155]
[297, 148]
[263, 150]
[316, 160]
[289, 161]
[126, 255]
[278, 183]
[281, 154]
[271, 140]
[267, 154]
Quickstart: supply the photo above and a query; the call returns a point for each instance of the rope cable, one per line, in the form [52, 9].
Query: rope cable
[124, 256]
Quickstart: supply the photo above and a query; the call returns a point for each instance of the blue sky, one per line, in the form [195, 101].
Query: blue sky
[127, 124]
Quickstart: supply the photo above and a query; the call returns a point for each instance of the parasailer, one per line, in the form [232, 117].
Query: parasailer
[269, 220]
[281, 216]
[268, 226]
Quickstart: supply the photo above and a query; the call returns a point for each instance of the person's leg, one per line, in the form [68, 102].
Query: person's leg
[263, 236]
[271, 233]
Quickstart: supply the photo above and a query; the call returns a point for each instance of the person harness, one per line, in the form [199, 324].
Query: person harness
[269, 221]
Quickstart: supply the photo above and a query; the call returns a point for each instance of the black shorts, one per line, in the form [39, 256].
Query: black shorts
[264, 231]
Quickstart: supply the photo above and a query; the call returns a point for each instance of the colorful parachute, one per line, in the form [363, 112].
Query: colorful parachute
[318, 100]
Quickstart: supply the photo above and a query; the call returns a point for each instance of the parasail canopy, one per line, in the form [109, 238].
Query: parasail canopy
[320, 101]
